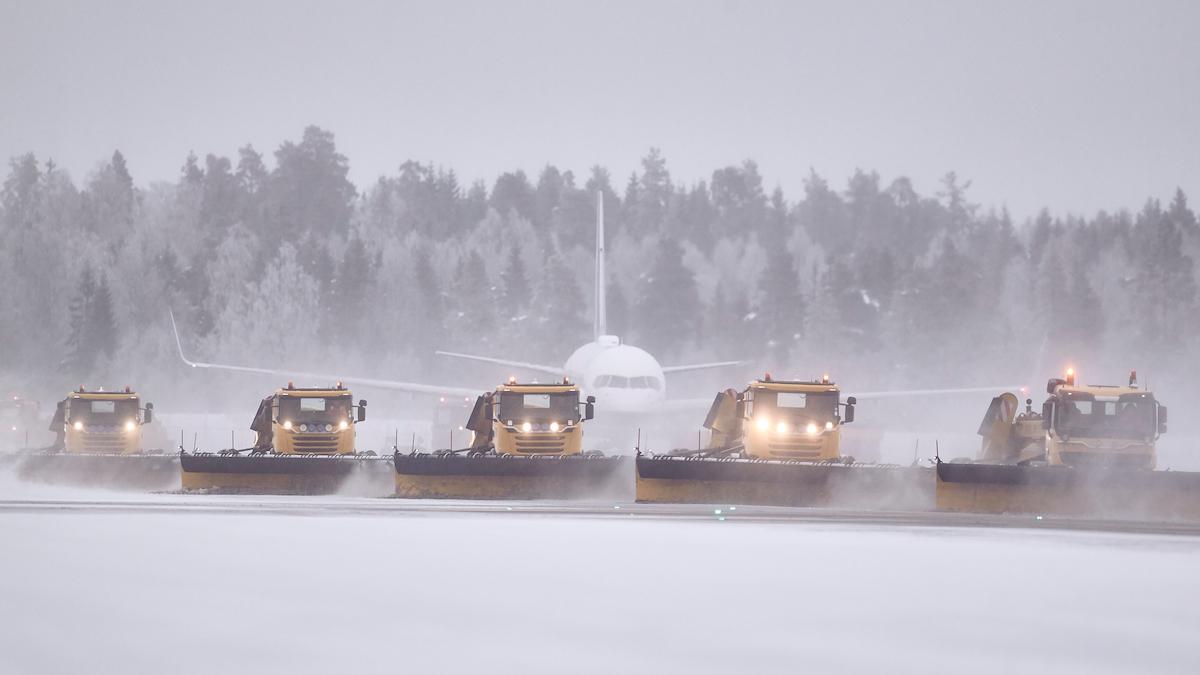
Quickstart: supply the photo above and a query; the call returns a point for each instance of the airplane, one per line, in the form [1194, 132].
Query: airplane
[627, 379]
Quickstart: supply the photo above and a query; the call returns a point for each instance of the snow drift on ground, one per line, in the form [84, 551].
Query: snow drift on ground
[191, 592]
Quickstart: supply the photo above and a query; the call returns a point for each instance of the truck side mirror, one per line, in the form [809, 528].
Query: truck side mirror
[1048, 414]
[589, 408]
[148, 414]
[1162, 419]
[362, 410]
[848, 417]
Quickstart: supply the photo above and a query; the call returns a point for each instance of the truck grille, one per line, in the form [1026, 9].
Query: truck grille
[317, 444]
[1107, 459]
[796, 448]
[540, 443]
[103, 439]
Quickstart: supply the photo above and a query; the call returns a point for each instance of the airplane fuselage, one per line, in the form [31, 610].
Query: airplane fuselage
[623, 378]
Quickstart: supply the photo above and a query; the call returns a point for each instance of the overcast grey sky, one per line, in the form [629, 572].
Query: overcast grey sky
[1073, 105]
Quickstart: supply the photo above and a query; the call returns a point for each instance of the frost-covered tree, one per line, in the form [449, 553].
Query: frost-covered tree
[667, 314]
[309, 189]
[781, 308]
[515, 297]
[557, 312]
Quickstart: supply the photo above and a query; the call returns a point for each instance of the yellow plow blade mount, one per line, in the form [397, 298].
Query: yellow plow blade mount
[704, 480]
[359, 475]
[1094, 492]
[447, 476]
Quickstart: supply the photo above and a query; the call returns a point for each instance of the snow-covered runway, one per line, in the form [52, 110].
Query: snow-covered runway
[105, 582]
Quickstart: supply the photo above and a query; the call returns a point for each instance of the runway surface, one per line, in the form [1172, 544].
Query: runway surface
[66, 500]
[99, 581]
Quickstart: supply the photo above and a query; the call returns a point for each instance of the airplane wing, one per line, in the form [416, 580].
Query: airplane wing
[553, 370]
[412, 387]
[699, 366]
[933, 392]
[686, 404]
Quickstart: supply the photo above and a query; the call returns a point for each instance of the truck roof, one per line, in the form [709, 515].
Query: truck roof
[311, 392]
[793, 385]
[1098, 389]
[103, 395]
[538, 388]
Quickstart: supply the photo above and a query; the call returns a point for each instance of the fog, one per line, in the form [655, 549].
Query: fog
[916, 196]
[275, 259]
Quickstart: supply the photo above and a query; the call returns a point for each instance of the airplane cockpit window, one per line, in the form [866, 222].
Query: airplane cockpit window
[645, 382]
[614, 381]
[622, 382]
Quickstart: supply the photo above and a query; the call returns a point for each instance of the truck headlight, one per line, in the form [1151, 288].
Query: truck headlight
[762, 423]
[130, 426]
[554, 426]
[343, 424]
[812, 428]
[829, 426]
[287, 424]
[78, 426]
[781, 428]
[527, 427]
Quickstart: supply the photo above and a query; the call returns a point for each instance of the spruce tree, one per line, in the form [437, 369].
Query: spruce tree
[782, 308]
[557, 310]
[93, 324]
[1165, 285]
[475, 319]
[668, 311]
[102, 322]
[617, 312]
[428, 324]
[516, 285]
[80, 347]
[350, 291]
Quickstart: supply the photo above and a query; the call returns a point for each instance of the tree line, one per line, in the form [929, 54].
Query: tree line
[285, 263]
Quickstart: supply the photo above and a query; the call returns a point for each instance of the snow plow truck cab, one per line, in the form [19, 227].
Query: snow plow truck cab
[304, 444]
[101, 422]
[526, 443]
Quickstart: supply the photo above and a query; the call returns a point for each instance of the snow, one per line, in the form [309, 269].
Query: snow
[104, 582]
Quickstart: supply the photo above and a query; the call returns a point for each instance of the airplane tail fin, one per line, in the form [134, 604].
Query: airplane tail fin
[600, 322]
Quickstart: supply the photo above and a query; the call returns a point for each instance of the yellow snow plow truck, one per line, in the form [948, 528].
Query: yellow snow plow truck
[527, 443]
[1090, 451]
[99, 441]
[778, 442]
[304, 444]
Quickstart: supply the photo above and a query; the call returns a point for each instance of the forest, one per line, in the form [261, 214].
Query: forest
[280, 261]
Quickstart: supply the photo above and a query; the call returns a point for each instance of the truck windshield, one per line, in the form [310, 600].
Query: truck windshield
[798, 406]
[103, 411]
[520, 407]
[315, 408]
[1127, 416]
